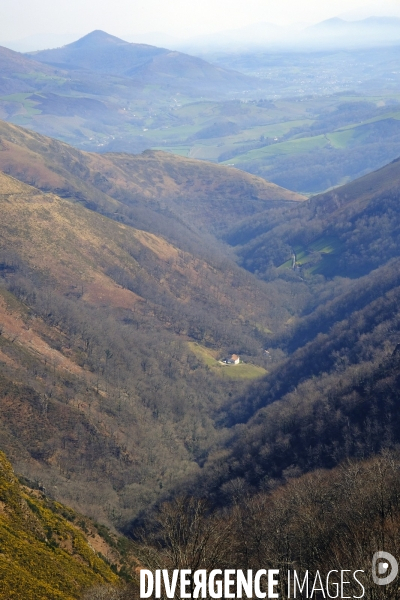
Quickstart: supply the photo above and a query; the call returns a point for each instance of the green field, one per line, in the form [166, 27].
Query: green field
[296, 146]
[241, 371]
[264, 137]
[27, 106]
[326, 245]
[305, 255]
[340, 138]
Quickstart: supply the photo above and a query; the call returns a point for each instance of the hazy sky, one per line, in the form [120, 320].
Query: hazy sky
[21, 18]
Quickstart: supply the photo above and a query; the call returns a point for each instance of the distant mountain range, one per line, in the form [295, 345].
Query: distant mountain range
[366, 32]
[100, 52]
[332, 33]
[348, 30]
[103, 94]
[91, 91]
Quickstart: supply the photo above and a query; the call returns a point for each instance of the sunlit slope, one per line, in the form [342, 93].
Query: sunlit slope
[43, 556]
[78, 247]
[202, 193]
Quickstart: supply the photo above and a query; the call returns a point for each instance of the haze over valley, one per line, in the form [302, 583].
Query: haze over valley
[303, 119]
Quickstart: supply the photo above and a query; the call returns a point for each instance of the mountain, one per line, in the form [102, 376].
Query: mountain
[334, 397]
[198, 193]
[367, 32]
[302, 146]
[18, 72]
[109, 92]
[113, 394]
[387, 8]
[331, 393]
[310, 452]
[111, 333]
[332, 33]
[103, 53]
[99, 51]
[370, 23]
[344, 232]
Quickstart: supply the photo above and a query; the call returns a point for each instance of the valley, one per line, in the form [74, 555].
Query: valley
[199, 314]
[99, 317]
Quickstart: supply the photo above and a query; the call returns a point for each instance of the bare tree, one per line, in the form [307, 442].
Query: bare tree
[186, 536]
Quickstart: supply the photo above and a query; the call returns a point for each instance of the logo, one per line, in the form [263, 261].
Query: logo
[381, 561]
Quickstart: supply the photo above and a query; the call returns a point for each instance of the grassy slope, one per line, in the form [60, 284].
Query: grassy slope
[343, 137]
[44, 555]
[240, 371]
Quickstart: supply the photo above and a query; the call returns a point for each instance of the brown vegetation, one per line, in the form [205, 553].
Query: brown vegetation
[96, 316]
[200, 193]
[320, 522]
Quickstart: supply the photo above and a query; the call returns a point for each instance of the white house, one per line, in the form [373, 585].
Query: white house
[233, 360]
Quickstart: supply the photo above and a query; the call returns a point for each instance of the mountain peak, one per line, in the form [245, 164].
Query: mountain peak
[97, 38]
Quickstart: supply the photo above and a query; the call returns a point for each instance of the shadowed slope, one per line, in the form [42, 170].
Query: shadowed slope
[347, 231]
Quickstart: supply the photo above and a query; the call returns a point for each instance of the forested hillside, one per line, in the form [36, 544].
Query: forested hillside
[314, 524]
[332, 389]
[120, 330]
[346, 232]
[307, 475]
[119, 298]
[108, 347]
